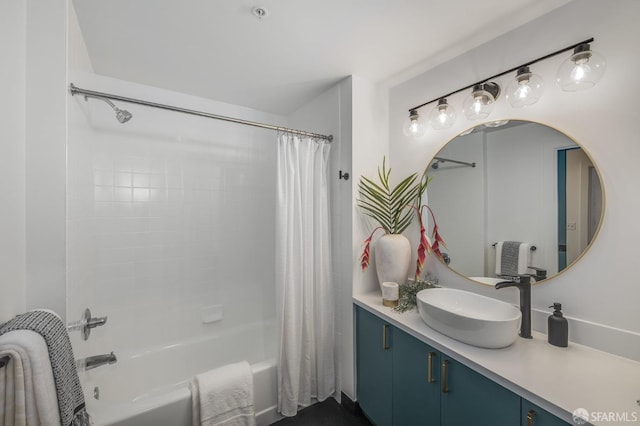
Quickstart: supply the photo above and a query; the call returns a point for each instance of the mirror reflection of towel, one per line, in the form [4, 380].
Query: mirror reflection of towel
[511, 258]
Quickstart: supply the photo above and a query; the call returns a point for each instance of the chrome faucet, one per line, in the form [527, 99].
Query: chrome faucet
[92, 362]
[523, 283]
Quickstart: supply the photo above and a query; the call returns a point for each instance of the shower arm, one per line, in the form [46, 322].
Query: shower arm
[445, 160]
[111, 104]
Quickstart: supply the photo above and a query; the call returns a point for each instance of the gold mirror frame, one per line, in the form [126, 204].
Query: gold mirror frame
[600, 218]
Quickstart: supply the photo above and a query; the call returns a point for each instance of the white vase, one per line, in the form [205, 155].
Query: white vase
[392, 256]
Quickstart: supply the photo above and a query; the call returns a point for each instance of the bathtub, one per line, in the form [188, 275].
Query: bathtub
[151, 387]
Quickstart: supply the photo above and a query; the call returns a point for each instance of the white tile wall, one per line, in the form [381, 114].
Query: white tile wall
[168, 214]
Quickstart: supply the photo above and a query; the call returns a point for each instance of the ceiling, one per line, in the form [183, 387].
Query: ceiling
[218, 49]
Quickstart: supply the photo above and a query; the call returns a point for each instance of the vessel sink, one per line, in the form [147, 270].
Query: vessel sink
[469, 317]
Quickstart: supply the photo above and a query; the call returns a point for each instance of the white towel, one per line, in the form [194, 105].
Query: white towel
[523, 258]
[224, 396]
[27, 389]
[70, 397]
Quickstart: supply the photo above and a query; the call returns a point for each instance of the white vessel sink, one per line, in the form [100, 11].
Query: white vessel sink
[490, 281]
[469, 317]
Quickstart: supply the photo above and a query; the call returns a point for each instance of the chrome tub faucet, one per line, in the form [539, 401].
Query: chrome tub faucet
[95, 361]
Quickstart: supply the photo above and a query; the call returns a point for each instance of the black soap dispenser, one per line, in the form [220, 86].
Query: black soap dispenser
[558, 332]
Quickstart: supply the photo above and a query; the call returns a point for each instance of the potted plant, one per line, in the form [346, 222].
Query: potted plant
[393, 209]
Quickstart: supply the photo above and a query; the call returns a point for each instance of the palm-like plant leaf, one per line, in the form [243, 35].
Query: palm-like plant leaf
[390, 207]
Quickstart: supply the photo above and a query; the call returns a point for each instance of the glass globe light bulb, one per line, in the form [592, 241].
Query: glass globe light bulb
[415, 125]
[443, 115]
[526, 89]
[582, 70]
[479, 104]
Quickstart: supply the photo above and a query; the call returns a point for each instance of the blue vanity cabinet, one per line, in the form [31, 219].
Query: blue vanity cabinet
[374, 357]
[402, 381]
[469, 398]
[532, 415]
[416, 382]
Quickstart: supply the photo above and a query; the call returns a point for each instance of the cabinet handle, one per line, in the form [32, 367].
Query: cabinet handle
[445, 389]
[384, 336]
[530, 415]
[430, 378]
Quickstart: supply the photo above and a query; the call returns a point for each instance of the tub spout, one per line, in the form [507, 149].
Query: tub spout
[92, 362]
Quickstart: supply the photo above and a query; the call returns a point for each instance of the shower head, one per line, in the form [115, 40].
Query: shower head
[122, 115]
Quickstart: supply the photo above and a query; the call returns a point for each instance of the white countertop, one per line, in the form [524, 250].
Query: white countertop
[560, 380]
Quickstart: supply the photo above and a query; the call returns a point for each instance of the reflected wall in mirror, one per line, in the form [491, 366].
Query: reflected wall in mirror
[521, 181]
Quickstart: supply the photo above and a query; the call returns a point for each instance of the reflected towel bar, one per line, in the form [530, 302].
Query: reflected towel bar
[4, 360]
[532, 248]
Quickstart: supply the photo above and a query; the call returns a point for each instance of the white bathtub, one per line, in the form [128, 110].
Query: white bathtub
[151, 388]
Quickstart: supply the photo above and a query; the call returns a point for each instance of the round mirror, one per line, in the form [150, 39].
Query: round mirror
[514, 197]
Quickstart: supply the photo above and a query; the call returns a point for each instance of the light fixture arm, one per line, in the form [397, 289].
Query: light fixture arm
[557, 52]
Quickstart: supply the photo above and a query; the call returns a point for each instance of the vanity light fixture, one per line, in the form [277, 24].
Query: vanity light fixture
[524, 90]
[479, 104]
[582, 70]
[414, 125]
[443, 115]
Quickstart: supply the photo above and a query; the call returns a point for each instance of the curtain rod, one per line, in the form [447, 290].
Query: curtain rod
[75, 90]
[526, 64]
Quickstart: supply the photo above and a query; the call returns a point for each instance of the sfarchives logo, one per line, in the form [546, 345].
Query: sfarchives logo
[582, 416]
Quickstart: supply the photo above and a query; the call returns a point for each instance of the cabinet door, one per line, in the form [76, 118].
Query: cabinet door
[469, 398]
[416, 382]
[532, 415]
[374, 358]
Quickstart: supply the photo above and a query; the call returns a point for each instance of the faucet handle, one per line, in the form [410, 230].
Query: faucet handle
[86, 323]
[96, 322]
[524, 279]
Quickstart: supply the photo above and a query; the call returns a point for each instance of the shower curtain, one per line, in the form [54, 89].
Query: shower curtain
[306, 367]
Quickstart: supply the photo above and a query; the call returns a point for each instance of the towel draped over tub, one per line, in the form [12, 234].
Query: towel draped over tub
[224, 396]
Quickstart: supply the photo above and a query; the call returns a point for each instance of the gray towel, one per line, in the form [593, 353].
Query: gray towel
[65, 375]
[509, 259]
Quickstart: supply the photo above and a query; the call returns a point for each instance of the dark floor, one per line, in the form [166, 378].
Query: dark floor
[326, 413]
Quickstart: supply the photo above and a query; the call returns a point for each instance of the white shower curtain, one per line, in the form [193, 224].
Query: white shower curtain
[306, 367]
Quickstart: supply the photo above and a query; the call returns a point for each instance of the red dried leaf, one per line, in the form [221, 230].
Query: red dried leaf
[366, 253]
[364, 259]
[423, 249]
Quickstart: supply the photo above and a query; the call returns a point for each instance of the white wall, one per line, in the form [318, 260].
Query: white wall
[33, 157]
[46, 126]
[370, 145]
[600, 293]
[13, 18]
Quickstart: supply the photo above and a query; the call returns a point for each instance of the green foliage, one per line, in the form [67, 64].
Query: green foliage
[407, 293]
[390, 207]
